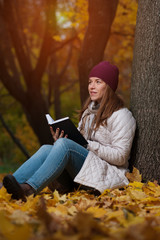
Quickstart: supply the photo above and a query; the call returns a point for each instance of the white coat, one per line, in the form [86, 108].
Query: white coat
[109, 151]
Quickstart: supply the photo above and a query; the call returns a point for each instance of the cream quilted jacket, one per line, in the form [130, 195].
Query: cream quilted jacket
[109, 150]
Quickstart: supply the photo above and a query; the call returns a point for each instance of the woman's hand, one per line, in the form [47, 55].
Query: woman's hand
[57, 134]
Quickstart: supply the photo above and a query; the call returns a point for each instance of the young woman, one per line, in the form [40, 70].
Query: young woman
[108, 127]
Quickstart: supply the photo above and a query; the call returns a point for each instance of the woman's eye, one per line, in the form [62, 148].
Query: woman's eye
[98, 81]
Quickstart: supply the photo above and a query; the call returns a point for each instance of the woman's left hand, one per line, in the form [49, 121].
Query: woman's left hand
[57, 134]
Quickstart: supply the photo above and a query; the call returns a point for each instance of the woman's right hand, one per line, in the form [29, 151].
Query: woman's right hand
[57, 134]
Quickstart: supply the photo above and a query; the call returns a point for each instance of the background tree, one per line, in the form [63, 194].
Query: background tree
[29, 92]
[101, 16]
[66, 24]
[145, 90]
[22, 76]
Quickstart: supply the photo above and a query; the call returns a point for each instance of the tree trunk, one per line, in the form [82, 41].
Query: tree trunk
[145, 90]
[101, 16]
[55, 83]
[35, 110]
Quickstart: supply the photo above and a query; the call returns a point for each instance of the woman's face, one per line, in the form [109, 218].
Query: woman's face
[96, 88]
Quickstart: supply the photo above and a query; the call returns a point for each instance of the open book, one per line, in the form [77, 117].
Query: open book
[69, 128]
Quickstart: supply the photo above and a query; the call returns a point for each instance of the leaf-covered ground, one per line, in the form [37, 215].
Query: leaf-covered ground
[132, 213]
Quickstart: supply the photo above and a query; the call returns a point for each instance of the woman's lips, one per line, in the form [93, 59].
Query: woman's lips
[93, 93]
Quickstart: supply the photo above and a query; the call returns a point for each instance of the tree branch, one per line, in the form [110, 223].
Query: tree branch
[12, 23]
[69, 86]
[48, 41]
[11, 83]
[15, 140]
[63, 43]
[6, 50]
[23, 36]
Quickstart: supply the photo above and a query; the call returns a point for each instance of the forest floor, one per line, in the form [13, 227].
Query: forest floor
[131, 213]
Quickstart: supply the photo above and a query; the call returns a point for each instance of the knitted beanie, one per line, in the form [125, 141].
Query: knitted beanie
[107, 72]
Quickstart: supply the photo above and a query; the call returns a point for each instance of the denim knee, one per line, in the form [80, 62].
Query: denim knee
[62, 142]
[46, 146]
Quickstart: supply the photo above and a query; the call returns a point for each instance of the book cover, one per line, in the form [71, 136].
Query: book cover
[69, 128]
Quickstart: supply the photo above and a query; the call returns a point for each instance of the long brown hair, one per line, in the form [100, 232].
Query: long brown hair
[110, 103]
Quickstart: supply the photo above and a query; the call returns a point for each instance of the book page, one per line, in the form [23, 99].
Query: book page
[49, 119]
[61, 119]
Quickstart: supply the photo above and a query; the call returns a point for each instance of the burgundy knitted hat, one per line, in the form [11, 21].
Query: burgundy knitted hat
[107, 72]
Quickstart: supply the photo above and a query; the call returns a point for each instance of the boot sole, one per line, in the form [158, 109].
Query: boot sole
[13, 187]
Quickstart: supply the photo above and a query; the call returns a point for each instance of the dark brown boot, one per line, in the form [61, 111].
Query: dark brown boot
[14, 188]
[18, 191]
[28, 190]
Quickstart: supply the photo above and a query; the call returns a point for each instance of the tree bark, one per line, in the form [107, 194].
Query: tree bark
[35, 110]
[145, 90]
[101, 16]
[55, 83]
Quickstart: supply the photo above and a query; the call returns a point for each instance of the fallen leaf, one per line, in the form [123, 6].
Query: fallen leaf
[134, 176]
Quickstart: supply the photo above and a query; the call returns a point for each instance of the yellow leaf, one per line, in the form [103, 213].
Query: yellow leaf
[124, 198]
[96, 211]
[131, 219]
[30, 205]
[153, 189]
[60, 210]
[85, 203]
[137, 195]
[118, 215]
[72, 210]
[136, 185]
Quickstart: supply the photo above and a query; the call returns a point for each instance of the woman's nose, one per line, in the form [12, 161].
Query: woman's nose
[92, 85]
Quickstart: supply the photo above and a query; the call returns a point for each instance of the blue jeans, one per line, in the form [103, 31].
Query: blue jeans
[48, 163]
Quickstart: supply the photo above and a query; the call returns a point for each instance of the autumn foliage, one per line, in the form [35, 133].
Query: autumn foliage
[132, 213]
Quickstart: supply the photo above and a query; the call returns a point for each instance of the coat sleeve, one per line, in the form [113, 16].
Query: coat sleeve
[123, 127]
